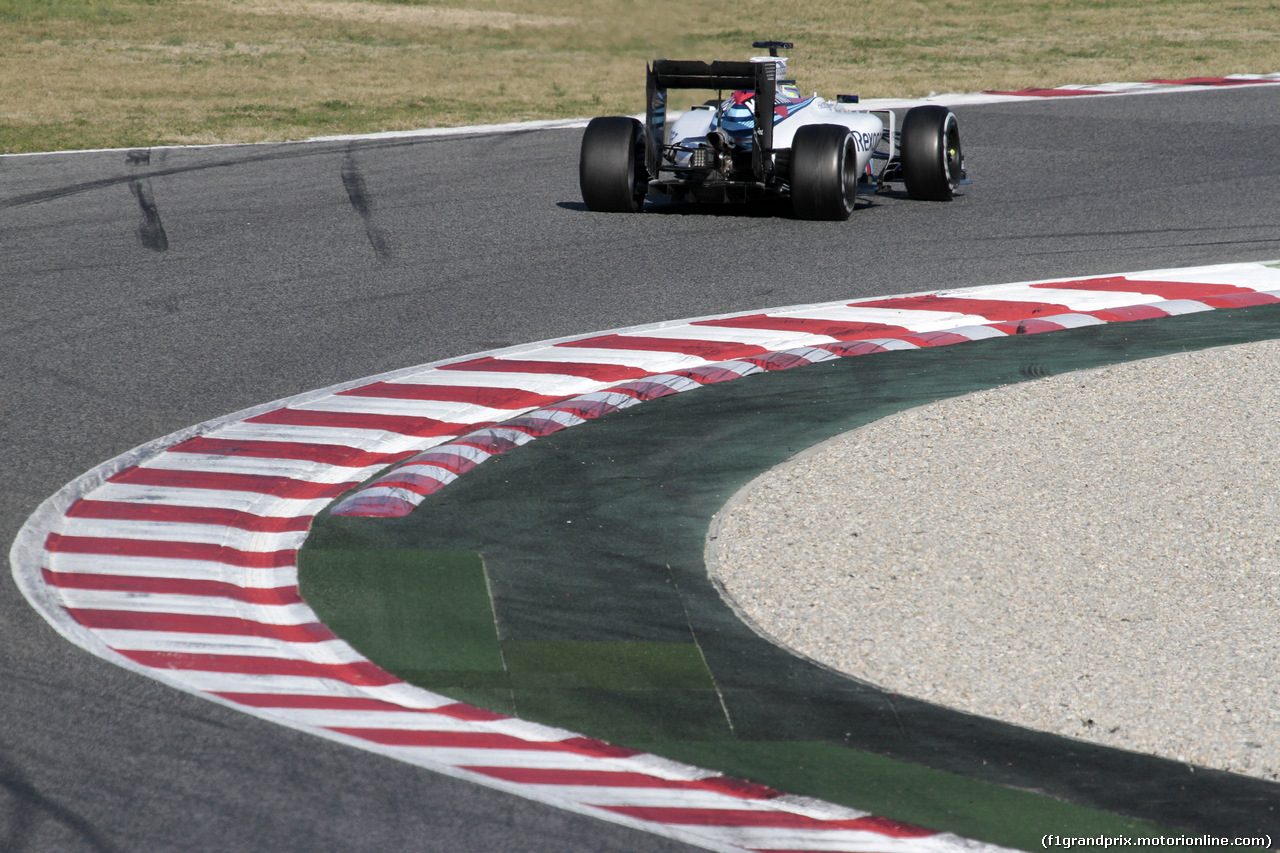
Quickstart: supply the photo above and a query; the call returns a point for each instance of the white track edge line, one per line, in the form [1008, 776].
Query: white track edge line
[947, 99]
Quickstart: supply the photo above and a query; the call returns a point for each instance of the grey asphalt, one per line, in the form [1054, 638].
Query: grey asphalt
[144, 292]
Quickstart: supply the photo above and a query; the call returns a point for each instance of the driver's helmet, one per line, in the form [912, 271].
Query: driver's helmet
[779, 61]
[737, 112]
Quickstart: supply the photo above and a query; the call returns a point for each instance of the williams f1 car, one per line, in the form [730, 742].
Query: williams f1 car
[765, 140]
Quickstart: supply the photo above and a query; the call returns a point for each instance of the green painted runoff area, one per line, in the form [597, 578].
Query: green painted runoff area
[564, 582]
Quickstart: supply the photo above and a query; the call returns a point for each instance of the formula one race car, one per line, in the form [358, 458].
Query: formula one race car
[764, 141]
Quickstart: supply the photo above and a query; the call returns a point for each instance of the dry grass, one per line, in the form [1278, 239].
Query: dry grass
[91, 73]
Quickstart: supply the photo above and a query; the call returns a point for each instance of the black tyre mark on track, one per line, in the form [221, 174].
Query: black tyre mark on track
[278, 151]
[151, 232]
[362, 203]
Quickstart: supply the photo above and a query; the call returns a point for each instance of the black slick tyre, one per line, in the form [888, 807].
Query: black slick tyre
[611, 167]
[824, 172]
[930, 153]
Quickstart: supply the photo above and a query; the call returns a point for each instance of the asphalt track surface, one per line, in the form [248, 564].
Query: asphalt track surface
[147, 293]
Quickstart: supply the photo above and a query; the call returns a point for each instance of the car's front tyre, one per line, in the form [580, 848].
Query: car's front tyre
[824, 172]
[611, 170]
[932, 160]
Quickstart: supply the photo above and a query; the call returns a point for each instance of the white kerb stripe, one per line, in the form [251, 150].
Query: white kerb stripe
[186, 605]
[1255, 276]
[175, 531]
[911, 320]
[550, 384]
[675, 798]
[254, 503]
[647, 360]
[293, 469]
[161, 567]
[464, 413]
[1076, 300]
[770, 339]
[461, 756]
[843, 840]
[306, 685]
[368, 440]
[327, 652]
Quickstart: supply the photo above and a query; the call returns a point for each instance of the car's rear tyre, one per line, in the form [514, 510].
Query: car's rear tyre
[611, 168]
[932, 160]
[824, 172]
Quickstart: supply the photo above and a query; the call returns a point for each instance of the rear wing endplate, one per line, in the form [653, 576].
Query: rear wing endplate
[758, 77]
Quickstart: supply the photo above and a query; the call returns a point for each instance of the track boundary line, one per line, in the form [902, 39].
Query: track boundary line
[1148, 87]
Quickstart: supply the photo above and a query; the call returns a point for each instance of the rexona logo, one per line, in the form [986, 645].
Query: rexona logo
[864, 141]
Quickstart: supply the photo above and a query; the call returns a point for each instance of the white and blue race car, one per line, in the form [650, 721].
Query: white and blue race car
[765, 140]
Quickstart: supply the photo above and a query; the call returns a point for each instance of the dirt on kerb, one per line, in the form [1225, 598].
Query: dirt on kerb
[97, 73]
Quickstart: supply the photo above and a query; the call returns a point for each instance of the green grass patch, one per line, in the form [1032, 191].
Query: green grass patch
[189, 64]
[89, 11]
[906, 792]
[427, 617]
[416, 616]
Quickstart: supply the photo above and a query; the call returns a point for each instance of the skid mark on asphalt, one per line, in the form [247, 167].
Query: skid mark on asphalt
[240, 155]
[151, 232]
[362, 203]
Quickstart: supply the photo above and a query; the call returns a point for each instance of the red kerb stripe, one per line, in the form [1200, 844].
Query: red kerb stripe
[327, 454]
[330, 703]
[60, 544]
[594, 778]
[283, 487]
[494, 398]
[130, 620]
[486, 740]
[600, 749]
[1027, 327]
[935, 339]
[456, 463]
[586, 370]
[992, 309]
[769, 818]
[831, 328]
[710, 350]
[399, 424]
[1126, 313]
[461, 740]
[1239, 300]
[1049, 93]
[1208, 81]
[1162, 289]
[121, 511]
[173, 586]
[624, 779]
[779, 361]
[360, 672]
[463, 711]
[418, 484]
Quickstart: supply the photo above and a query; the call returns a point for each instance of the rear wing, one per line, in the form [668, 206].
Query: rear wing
[664, 74]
